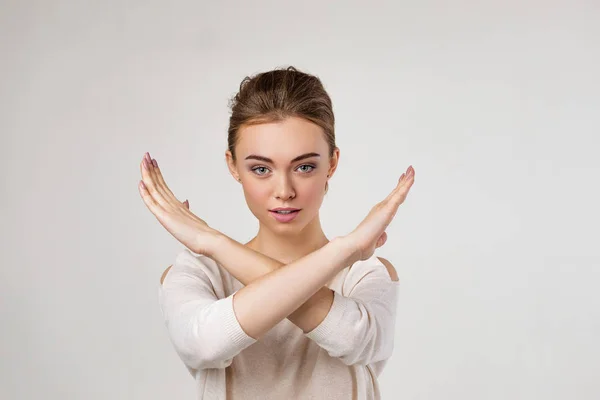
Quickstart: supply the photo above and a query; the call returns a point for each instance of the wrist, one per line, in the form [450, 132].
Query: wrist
[349, 248]
[210, 241]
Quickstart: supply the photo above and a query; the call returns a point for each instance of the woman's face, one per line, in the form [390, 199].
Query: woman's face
[283, 164]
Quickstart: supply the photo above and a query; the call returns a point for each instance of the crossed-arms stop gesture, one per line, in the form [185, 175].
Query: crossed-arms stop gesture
[195, 234]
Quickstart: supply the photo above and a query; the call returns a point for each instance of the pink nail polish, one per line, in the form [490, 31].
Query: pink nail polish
[154, 163]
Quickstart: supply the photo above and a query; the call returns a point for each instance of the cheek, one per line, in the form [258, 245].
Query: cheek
[257, 198]
[314, 193]
[255, 194]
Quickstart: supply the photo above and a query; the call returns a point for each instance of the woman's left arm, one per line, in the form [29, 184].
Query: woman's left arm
[360, 326]
[243, 263]
[248, 265]
[357, 326]
[354, 325]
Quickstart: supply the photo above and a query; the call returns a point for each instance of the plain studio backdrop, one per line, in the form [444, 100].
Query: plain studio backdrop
[495, 104]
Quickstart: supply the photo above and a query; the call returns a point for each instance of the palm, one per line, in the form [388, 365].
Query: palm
[370, 233]
[172, 214]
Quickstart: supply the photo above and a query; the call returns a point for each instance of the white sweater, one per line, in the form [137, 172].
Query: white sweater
[340, 359]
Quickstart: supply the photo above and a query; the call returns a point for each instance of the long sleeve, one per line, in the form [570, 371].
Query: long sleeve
[359, 328]
[200, 319]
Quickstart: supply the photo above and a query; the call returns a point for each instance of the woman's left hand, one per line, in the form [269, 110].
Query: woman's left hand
[370, 233]
[173, 215]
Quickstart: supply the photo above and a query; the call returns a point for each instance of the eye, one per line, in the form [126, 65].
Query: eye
[257, 168]
[263, 170]
[312, 167]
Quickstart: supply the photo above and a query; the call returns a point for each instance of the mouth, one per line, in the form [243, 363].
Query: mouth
[284, 215]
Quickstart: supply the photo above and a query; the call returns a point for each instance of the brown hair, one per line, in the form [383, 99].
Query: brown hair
[277, 94]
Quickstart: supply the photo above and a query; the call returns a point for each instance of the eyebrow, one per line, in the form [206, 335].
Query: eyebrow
[268, 160]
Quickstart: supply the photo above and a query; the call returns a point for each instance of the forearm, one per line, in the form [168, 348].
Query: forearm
[281, 290]
[247, 265]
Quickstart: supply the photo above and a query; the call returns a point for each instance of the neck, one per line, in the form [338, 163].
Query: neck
[288, 248]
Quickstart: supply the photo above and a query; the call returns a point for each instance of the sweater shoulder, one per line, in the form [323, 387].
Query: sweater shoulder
[362, 267]
[373, 268]
[198, 266]
[189, 267]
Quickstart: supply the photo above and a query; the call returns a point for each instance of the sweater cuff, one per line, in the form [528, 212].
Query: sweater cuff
[331, 323]
[232, 326]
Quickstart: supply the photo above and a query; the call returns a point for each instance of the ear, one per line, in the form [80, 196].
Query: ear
[333, 161]
[231, 165]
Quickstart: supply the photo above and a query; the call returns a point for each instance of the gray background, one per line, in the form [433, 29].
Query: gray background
[496, 104]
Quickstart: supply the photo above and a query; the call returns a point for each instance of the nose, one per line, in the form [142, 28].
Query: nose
[284, 189]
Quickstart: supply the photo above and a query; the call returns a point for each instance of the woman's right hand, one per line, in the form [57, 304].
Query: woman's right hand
[370, 233]
[173, 215]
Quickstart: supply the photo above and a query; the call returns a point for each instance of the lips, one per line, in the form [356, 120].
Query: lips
[284, 217]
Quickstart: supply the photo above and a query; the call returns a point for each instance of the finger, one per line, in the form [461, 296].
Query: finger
[405, 182]
[186, 204]
[160, 181]
[149, 179]
[152, 205]
[152, 167]
[398, 195]
[401, 183]
[147, 175]
[401, 193]
[162, 187]
[406, 176]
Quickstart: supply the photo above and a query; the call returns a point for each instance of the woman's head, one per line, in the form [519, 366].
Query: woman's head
[276, 117]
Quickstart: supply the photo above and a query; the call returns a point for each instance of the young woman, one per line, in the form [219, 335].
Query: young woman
[290, 314]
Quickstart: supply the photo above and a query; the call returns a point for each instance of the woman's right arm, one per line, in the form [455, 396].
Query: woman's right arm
[198, 315]
[269, 299]
[266, 301]
[247, 265]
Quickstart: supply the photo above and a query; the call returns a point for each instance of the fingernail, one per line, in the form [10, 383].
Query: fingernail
[145, 162]
[154, 163]
[147, 156]
[143, 185]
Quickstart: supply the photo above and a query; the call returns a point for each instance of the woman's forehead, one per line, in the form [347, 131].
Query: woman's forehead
[281, 140]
